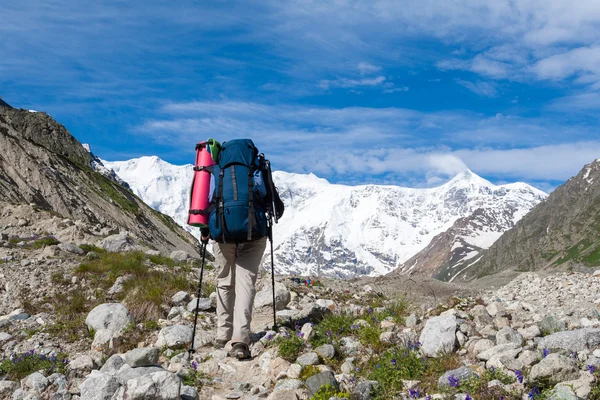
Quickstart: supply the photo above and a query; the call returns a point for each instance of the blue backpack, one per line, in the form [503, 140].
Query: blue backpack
[240, 201]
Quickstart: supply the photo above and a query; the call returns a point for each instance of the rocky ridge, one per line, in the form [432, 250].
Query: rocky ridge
[562, 231]
[43, 164]
[70, 331]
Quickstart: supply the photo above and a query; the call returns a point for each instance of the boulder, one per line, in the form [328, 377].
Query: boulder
[508, 335]
[561, 392]
[551, 324]
[264, 298]
[36, 382]
[109, 320]
[439, 335]
[81, 366]
[204, 304]
[176, 335]
[142, 357]
[113, 364]
[284, 394]
[365, 389]
[119, 243]
[180, 298]
[99, 386]
[308, 359]
[577, 340]
[126, 372]
[70, 248]
[555, 368]
[326, 351]
[7, 388]
[157, 386]
[315, 382]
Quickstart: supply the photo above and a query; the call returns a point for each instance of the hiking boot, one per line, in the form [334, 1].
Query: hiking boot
[221, 343]
[240, 351]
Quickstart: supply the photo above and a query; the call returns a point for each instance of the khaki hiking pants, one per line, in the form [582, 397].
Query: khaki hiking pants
[236, 287]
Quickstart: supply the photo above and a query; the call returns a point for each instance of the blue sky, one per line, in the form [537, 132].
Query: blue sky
[397, 92]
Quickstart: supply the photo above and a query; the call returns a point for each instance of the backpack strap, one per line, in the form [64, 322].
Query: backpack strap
[221, 209]
[251, 217]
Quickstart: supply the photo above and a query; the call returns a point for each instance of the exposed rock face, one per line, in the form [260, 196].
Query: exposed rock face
[42, 163]
[562, 230]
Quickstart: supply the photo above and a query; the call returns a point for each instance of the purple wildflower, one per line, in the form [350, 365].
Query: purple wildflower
[393, 362]
[453, 381]
[545, 352]
[533, 393]
[414, 393]
[195, 365]
[467, 397]
[428, 397]
[591, 368]
[519, 375]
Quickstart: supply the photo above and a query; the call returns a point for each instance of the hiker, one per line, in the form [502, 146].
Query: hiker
[244, 203]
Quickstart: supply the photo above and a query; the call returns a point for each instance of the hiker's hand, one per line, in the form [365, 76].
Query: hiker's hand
[204, 239]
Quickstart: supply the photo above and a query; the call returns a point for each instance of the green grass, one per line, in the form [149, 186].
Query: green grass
[328, 391]
[332, 328]
[20, 366]
[208, 288]
[309, 371]
[194, 379]
[290, 347]
[115, 192]
[163, 260]
[90, 247]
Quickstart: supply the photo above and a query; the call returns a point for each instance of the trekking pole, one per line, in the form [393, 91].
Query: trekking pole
[191, 350]
[272, 273]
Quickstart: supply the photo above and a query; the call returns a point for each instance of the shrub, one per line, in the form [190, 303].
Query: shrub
[19, 366]
[391, 367]
[332, 328]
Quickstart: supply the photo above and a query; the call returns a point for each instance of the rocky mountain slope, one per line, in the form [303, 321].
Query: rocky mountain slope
[41, 163]
[79, 323]
[346, 231]
[563, 230]
[4, 104]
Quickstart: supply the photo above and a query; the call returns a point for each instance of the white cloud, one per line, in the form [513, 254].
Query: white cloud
[482, 88]
[349, 83]
[584, 60]
[367, 69]
[383, 143]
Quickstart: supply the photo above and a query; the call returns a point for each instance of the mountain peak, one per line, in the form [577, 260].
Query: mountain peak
[4, 104]
[470, 178]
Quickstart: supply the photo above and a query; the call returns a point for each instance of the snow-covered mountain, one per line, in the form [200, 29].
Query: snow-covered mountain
[345, 231]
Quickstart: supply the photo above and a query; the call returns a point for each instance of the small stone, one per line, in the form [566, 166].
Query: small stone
[307, 331]
[555, 368]
[176, 335]
[142, 357]
[189, 393]
[412, 321]
[508, 335]
[294, 371]
[81, 365]
[365, 389]
[233, 395]
[180, 298]
[528, 358]
[71, 248]
[308, 359]
[7, 388]
[551, 324]
[204, 304]
[113, 364]
[326, 351]
[315, 382]
[496, 309]
[99, 386]
[461, 374]
[561, 392]
[284, 394]
[288, 384]
[36, 382]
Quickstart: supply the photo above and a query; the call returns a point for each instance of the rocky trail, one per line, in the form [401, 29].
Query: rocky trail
[89, 312]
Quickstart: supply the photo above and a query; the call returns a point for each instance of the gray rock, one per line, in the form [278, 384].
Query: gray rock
[153, 252]
[176, 312]
[578, 340]
[99, 386]
[511, 363]
[4, 337]
[188, 393]
[157, 386]
[349, 346]
[498, 351]
[528, 358]
[555, 368]
[19, 394]
[308, 359]
[561, 392]
[439, 335]
[462, 374]
[7, 388]
[60, 395]
[326, 351]
[109, 321]
[119, 243]
[180, 298]
[315, 382]
[551, 324]
[126, 372]
[81, 365]
[310, 312]
[117, 287]
[179, 255]
[70, 248]
[530, 332]
[113, 364]
[233, 396]
[177, 335]
[19, 317]
[36, 382]
[264, 298]
[411, 321]
[496, 309]
[204, 304]
[288, 384]
[142, 357]
[285, 394]
[508, 335]
[365, 390]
